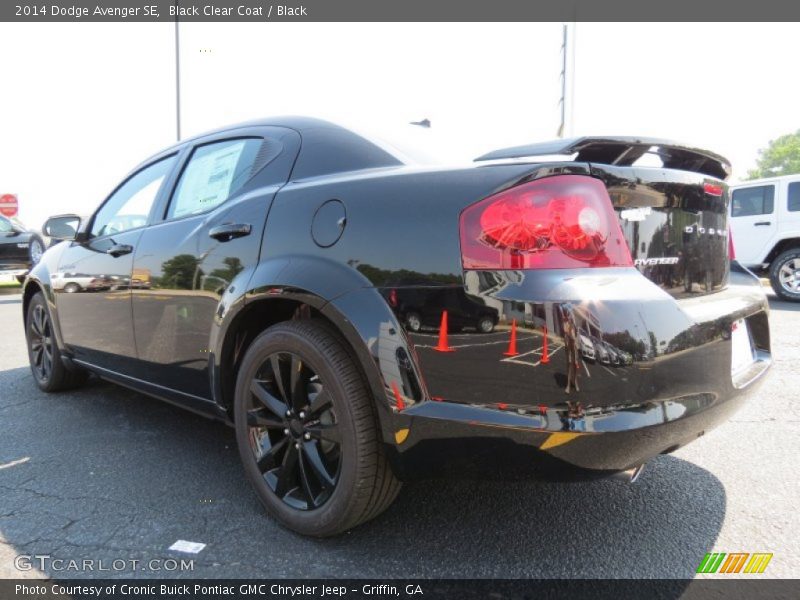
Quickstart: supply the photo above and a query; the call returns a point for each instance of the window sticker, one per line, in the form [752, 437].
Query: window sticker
[207, 179]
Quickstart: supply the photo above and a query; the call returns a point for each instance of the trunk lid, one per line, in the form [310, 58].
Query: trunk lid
[675, 223]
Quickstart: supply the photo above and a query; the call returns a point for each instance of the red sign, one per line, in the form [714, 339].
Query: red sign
[8, 205]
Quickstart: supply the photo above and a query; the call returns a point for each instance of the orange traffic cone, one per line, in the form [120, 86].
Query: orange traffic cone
[512, 344]
[401, 405]
[545, 354]
[443, 346]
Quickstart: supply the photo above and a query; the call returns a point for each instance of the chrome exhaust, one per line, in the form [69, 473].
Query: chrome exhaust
[630, 475]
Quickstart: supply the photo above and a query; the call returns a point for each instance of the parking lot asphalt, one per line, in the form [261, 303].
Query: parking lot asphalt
[105, 474]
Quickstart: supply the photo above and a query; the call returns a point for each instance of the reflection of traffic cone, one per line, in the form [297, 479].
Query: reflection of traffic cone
[545, 354]
[512, 344]
[397, 397]
[443, 346]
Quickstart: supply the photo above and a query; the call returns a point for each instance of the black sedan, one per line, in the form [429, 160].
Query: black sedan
[20, 248]
[258, 275]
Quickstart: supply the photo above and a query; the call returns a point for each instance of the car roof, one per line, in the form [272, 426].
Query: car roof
[763, 180]
[328, 148]
[298, 123]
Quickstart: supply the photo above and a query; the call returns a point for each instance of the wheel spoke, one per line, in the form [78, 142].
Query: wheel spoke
[38, 353]
[329, 433]
[277, 407]
[260, 417]
[318, 401]
[268, 460]
[297, 385]
[47, 364]
[286, 475]
[277, 372]
[41, 319]
[35, 322]
[311, 451]
[305, 483]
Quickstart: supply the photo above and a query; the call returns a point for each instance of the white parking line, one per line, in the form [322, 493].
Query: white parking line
[609, 370]
[465, 345]
[515, 359]
[460, 335]
[14, 463]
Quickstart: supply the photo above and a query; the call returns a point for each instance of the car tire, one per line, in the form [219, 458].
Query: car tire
[36, 248]
[282, 453]
[49, 372]
[72, 287]
[784, 275]
[413, 321]
[485, 325]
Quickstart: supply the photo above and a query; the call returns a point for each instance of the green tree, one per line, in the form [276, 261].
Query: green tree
[181, 272]
[780, 157]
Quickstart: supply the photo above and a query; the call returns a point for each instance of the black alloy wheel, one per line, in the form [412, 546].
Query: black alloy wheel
[48, 369]
[294, 435]
[307, 431]
[40, 336]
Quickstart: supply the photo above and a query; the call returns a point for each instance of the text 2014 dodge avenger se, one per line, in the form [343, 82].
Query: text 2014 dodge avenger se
[258, 275]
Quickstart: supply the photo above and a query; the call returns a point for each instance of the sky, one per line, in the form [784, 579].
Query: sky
[83, 103]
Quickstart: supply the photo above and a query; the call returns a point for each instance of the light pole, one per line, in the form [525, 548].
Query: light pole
[567, 80]
[563, 100]
[177, 75]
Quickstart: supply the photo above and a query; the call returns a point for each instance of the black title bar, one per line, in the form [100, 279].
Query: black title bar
[254, 11]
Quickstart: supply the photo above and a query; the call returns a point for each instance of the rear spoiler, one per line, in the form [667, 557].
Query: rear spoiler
[623, 151]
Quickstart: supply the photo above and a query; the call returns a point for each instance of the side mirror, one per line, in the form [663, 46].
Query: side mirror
[62, 227]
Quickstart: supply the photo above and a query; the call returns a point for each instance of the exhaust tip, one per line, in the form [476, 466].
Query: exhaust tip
[630, 475]
[636, 472]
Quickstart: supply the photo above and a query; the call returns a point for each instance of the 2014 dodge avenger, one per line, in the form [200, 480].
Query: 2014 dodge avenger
[260, 274]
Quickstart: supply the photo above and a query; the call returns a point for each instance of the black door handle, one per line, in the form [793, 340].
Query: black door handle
[762, 223]
[229, 231]
[119, 249]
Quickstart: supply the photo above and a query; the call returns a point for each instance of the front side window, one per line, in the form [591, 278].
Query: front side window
[753, 201]
[5, 225]
[214, 173]
[793, 203]
[129, 207]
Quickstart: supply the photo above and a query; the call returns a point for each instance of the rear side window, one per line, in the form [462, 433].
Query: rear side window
[5, 225]
[793, 203]
[753, 201]
[214, 173]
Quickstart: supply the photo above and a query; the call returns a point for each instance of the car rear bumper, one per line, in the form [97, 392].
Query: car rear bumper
[14, 266]
[487, 406]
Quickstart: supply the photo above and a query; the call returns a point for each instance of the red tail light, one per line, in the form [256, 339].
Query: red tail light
[712, 189]
[558, 222]
[731, 248]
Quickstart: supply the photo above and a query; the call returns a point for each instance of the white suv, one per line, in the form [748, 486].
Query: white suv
[765, 222]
